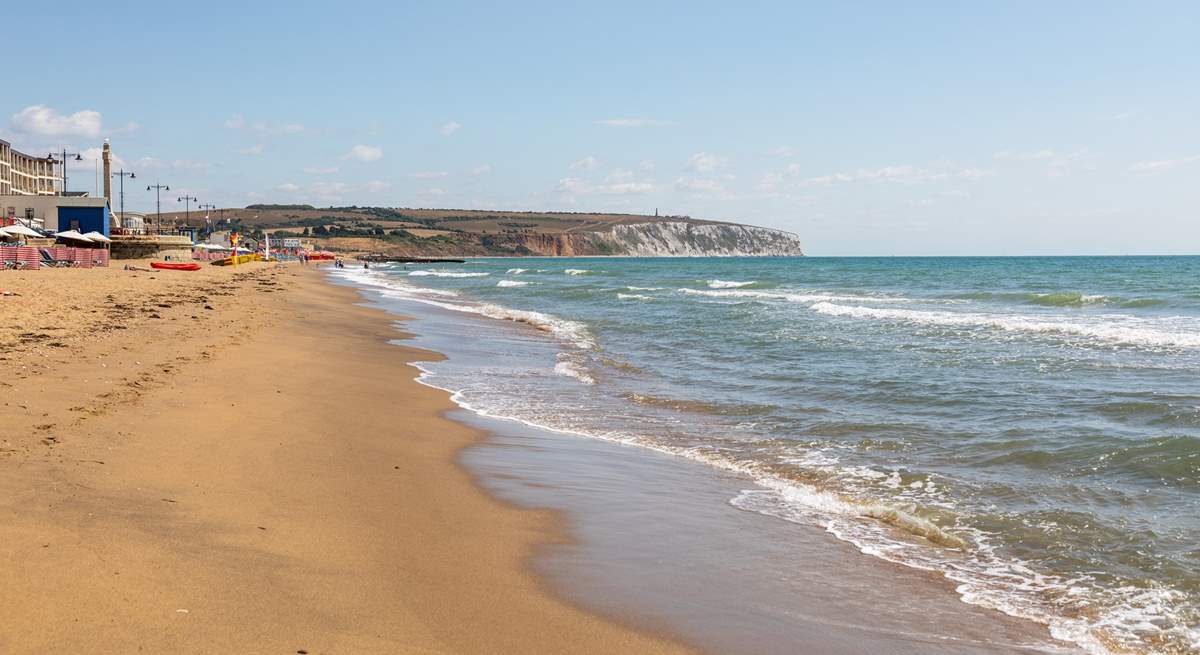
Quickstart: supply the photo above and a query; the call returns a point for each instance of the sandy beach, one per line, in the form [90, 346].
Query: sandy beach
[237, 460]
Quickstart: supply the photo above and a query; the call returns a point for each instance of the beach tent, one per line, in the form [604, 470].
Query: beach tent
[72, 235]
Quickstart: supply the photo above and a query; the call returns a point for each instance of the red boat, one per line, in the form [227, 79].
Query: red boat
[172, 266]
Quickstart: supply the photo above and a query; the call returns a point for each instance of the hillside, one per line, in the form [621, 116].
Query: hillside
[433, 232]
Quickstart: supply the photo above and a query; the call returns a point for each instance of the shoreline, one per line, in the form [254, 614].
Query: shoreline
[544, 477]
[199, 501]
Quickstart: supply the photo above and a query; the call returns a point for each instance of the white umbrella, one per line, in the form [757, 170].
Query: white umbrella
[74, 235]
[21, 230]
[96, 236]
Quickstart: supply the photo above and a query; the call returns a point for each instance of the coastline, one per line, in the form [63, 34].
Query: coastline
[655, 534]
[224, 469]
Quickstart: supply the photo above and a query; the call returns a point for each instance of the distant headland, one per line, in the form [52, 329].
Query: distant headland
[463, 232]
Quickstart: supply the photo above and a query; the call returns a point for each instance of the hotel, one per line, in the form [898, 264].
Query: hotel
[25, 175]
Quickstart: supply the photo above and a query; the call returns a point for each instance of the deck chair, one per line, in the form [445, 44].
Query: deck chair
[49, 260]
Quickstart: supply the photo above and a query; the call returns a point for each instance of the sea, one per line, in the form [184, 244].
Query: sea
[1025, 428]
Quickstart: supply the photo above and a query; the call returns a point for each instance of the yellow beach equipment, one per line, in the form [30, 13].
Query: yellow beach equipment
[234, 261]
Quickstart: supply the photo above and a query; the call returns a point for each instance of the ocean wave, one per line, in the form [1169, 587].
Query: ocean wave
[643, 288]
[572, 368]
[633, 296]
[512, 283]
[572, 332]
[576, 271]
[516, 271]
[1059, 299]
[787, 296]
[699, 406]
[727, 284]
[1122, 330]
[446, 274]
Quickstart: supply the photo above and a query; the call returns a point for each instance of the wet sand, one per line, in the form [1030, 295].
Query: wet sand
[237, 460]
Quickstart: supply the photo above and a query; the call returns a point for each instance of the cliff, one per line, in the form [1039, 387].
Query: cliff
[458, 232]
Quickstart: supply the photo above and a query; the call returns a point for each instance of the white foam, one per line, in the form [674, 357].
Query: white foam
[576, 271]
[516, 271]
[572, 332]
[571, 368]
[512, 283]
[446, 274]
[643, 288]
[727, 284]
[1109, 329]
[633, 296]
[787, 296]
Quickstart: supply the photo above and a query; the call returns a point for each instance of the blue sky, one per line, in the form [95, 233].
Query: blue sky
[869, 128]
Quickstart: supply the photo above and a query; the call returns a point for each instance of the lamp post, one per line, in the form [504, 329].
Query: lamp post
[158, 189]
[187, 214]
[122, 174]
[207, 207]
[63, 161]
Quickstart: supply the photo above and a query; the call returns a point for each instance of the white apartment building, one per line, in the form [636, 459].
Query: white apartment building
[25, 175]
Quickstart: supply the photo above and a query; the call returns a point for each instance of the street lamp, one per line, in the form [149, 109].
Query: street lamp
[122, 174]
[187, 215]
[207, 207]
[158, 189]
[65, 154]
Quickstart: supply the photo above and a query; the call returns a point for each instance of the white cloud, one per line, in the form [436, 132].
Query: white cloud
[571, 185]
[1161, 165]
[364, 153]
[782, 152]
[586, 164]
[292, 128]
[327, 190]
[770, 181]
[482, 169]
[315, 170]
[451, 128]
[44, 121]
[1008, 155]
[434, 192]
[826, 180]
[235, 122]
[377, 186]
[702, 162]
[289, 187]
[91, 155]
[619, 175]
[646, 165]
[619, 185]
[697, 185]
[625, 188]
[256, 149]
[428, 175]
[632, 122]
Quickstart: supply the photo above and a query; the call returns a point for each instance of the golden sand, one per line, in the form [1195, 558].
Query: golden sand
[236, 461]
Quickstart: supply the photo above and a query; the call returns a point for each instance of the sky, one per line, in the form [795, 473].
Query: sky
[1005, 128]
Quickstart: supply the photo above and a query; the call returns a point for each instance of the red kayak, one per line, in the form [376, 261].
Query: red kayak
[171, 266]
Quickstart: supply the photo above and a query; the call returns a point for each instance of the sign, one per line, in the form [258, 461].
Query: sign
[291, 243]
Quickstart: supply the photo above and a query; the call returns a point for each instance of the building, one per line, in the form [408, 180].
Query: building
[57, 213]
[25, 175]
